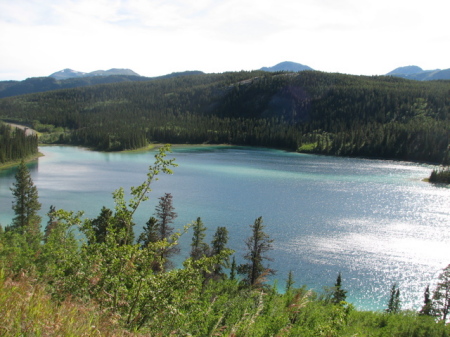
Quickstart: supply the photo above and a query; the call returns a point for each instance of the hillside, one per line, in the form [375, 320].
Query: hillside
[67, 79]
[309, 111]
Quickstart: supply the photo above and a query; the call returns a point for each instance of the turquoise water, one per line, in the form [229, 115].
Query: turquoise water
[374, 221]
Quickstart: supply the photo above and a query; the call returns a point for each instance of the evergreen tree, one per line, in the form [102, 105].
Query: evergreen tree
[26, 206]
[198, 247]
[427, 308]
[51, 224]
[289, 282]
[233, 269]
[150, 233]
[441, 296]
[394, 300]
[219, 244]
[100, 225]
[339, 294]
[257, 245]
[166, 215]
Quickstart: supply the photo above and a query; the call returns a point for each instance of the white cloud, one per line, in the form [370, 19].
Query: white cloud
[154, 37]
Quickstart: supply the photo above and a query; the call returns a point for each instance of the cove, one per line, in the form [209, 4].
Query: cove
[374, 221]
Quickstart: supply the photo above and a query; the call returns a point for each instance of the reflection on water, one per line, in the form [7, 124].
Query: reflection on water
[374, 221]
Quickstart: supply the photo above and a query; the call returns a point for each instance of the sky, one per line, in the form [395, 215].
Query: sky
[158, 37]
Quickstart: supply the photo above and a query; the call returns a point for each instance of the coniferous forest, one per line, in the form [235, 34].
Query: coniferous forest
[93, 277]
[16, 144]
[309, 111]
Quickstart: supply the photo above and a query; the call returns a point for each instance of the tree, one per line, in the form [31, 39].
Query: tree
[100, 225]
[427, 308]
[26, 207]
[51, 224]
[233, 269]
[339, 294]
[150, 233]
[219, 243]
[198, 247]
[258, 244]
[289, 282]
[394, 300]
[166, 215]
[441, 296]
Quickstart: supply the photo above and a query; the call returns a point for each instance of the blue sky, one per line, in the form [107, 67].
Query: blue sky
[156, 37]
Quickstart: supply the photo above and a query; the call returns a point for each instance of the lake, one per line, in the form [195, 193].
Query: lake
[375, 221]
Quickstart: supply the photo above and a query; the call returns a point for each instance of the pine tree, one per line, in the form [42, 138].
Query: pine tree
[258, 244]
[26, 207]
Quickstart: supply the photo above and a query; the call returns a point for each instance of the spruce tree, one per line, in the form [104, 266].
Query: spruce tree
[166, 215]
[339, 294]
[258, 244]
[441, 296]
[26, 206]
[150, 232]
[218, 245]
[427, 308]
[198, 247]
[394, 300]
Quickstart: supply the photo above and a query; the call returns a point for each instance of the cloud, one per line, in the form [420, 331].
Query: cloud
[153, 37]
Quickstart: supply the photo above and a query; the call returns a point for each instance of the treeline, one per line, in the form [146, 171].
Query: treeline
[15, 144]
[106, 281]
[309, 111]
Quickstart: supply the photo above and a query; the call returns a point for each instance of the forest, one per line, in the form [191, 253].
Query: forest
[309, 111]
[16, 144]
[93, 277]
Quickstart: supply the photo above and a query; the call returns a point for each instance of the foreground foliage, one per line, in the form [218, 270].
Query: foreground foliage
[105, 284]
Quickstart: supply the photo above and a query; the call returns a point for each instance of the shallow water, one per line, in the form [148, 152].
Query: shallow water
[374, 221]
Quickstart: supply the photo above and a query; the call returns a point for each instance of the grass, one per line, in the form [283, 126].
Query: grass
[27, 310]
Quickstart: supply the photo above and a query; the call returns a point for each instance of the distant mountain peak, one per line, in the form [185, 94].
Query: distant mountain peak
[408, 70]
[69, 73]
[287, 66]
[418, 74]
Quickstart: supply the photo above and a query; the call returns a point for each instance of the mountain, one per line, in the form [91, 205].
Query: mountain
[69, 73]
[418, 74]
[56, 81]
[287, 66]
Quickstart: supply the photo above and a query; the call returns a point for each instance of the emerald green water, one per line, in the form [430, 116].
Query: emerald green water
[374, 221]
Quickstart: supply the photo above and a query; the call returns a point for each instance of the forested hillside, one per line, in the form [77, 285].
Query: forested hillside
[308, 111]
[16, 144]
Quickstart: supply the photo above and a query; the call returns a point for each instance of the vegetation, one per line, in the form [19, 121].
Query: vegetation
[105, 284]
[311, 111]
[15, 144]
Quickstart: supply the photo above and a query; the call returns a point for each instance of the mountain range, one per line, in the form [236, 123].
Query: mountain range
[418, 74]
[69, 73]
[68, 78]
